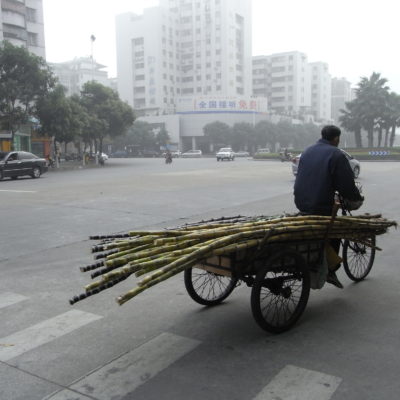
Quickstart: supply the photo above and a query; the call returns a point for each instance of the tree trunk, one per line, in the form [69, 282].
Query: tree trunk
[357, 138]
[370, 132]
[380, 136]
[392, 135]
[386, 137]
[12, 147]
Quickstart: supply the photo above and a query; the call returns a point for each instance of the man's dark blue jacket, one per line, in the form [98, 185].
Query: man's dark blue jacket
[323, 169]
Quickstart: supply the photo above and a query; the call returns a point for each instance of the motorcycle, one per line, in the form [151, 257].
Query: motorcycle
[285, 156]
[168, 158]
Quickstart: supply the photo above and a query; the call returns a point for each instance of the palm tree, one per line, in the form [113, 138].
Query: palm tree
[392, 117]
[350, 120]
[371, 101]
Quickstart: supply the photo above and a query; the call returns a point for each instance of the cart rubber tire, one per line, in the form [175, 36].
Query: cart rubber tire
[280, 291]
[208, 288]
[358, 259]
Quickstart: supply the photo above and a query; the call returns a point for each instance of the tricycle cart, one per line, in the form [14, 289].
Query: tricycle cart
[280, 276]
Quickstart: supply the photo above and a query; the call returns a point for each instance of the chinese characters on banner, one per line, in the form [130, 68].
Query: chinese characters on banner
[226, 105]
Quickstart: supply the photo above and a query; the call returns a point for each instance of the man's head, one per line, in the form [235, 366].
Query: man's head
[331, 133]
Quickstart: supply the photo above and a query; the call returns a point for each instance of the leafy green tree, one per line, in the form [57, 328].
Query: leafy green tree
[242, 132]
[162, 138]
[55, 114]
[265, 133]
[218, 133]
[139, 136]
[24, 78]
[110, 115]
[80, 122]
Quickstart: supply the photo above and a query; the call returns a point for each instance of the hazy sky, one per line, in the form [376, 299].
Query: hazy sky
[355, 37]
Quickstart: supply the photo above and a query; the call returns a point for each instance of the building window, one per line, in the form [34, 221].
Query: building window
[32, 39]
[30, 14]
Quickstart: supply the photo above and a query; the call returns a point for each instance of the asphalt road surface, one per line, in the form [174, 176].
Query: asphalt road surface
[162, 345]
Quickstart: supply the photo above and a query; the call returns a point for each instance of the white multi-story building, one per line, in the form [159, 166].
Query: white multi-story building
[21, 23]
[284, 78]
[341, 94]
[75, 73]
[320, 91]
[183, 48]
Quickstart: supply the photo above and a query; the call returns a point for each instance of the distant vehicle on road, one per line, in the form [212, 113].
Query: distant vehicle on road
[151, 153]
[20, 163]
[242, 154]
[174, 154]
[119, 154]
[192, 154]
[262, 151]
[226, 153]
[354, 164]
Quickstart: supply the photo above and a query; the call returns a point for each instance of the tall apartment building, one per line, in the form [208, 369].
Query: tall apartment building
[21, 23]
[75, 73]
[284, 78]
[320, 91]
[184, 48]
[341, 93]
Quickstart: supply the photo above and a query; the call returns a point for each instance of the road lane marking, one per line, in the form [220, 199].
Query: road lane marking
[44, 332]
[296, 383]
[19, 191]
[67, 395]
[8, 299]
[125, 374]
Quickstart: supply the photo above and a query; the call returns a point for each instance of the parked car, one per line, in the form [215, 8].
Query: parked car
[226, 153]
[119, 154]
[242, 154]
[192, 154]
[151, 153]
[19, 163]
[354, 164]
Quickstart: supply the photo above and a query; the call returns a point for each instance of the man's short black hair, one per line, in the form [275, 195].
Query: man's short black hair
[329, 132]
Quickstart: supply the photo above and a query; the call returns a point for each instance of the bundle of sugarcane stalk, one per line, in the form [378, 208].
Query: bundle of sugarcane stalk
[165, 253]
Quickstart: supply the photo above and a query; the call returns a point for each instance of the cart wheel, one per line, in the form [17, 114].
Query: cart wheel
[280, 291]
[208, 288]
[358, 259]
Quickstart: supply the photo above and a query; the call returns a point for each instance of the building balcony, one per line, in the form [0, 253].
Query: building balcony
[14, 6]
[14, 33]
[13, 18]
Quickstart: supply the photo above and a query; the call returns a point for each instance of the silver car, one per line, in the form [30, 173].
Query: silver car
[354, 164]
[192, 154]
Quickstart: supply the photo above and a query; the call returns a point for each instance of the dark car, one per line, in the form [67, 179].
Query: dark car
[19, 163]
[119, 154]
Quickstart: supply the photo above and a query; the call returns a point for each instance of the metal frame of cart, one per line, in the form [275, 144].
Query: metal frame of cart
[279, 277]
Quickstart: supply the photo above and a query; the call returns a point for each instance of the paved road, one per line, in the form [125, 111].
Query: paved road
[163, 345]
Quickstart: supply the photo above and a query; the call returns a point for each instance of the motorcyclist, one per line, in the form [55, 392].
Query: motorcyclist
[168, 157]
